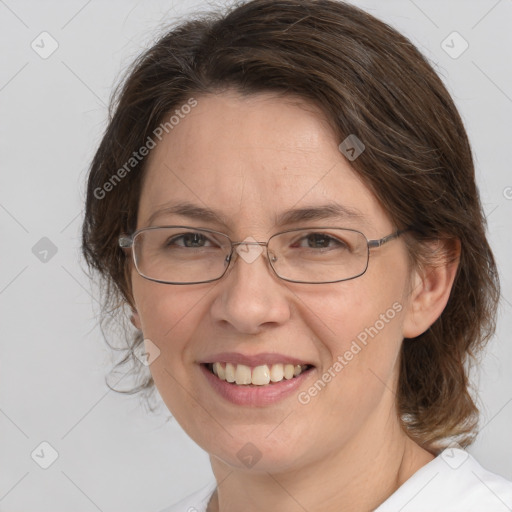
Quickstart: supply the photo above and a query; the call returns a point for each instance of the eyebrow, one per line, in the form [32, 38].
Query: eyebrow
[326, 211]
[189, 210]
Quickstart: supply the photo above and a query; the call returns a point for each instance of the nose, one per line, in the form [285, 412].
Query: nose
[251, 297]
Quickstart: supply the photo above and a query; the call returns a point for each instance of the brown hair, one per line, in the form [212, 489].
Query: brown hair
[369, 80]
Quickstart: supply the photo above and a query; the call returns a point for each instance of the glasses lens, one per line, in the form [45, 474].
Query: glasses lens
[181, 254]
[319, 255]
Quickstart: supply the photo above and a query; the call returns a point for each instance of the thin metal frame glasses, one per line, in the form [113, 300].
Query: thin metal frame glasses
[154, 249]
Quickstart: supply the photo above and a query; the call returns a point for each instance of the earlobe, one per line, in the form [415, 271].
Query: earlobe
[135, 319]
[430, 289]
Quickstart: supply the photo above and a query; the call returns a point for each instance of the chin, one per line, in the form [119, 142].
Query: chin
[253, 449]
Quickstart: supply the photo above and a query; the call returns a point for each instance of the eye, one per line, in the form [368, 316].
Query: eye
[321, 240]
[190, 240]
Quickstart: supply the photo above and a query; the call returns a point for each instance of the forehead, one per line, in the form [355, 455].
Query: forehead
[250, 158]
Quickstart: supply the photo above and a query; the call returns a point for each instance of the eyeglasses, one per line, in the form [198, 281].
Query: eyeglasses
[187, 255]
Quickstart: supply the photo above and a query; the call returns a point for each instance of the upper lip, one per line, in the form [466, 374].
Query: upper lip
[253, 360]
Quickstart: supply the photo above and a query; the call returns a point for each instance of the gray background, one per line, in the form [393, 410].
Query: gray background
[113, 455]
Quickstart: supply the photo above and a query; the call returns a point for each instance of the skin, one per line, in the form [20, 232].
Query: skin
[251, 158]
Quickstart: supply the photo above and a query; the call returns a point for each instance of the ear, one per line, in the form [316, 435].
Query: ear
[431, 286]
[135, 319]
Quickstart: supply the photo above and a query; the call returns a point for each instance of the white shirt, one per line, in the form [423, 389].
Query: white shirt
[452, 482]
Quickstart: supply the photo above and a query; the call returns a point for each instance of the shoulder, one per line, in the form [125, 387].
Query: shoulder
[196, 502]
[453, 482]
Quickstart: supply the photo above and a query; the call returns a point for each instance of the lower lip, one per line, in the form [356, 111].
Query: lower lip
[256, 396]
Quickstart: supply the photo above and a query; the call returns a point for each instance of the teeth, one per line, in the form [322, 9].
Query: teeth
[230, 372]
[241, 374]
[276, 372]
[260, 375]
[219, 370]
[288, 371]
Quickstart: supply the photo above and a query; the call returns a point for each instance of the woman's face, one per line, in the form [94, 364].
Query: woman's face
[250, 159]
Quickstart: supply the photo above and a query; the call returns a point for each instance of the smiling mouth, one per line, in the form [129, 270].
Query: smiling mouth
[242, 375]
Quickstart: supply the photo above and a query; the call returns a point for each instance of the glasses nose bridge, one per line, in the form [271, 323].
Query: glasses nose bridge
[234, 244]
[253, 242]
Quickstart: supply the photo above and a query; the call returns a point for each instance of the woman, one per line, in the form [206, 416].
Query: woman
[285, 198]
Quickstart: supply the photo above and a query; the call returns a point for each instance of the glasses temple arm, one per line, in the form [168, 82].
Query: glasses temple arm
[125, 242]
[377, 243]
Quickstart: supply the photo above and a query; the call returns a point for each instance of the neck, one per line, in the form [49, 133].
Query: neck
[358, 477]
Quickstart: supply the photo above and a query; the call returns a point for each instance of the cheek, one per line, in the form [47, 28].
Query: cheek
[358, 328]
[360, 337]
[168, 314]
[355, 310]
